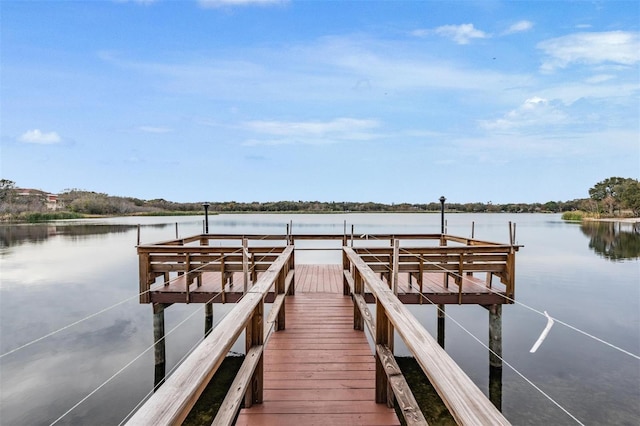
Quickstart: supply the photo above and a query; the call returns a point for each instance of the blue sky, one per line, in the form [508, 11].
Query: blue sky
[502, 101]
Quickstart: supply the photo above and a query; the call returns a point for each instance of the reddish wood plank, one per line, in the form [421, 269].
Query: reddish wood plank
[319, 370]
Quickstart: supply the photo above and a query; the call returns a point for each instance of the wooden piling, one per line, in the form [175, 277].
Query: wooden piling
[158, 344]
[441, 317]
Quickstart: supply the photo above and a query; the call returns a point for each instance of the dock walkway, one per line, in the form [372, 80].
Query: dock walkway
[319, 370]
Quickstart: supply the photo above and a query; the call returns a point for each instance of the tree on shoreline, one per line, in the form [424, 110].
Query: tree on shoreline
[616, 193]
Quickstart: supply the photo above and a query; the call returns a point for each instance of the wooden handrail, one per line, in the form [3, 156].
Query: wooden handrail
[171, 403]
[465, 401]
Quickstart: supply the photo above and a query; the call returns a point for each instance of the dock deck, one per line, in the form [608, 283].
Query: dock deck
[308, 360]
[319, 370]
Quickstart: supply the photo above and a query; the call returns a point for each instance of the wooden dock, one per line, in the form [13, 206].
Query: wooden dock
[307, 359]
[319, 370]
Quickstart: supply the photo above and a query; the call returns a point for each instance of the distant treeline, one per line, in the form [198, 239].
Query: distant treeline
[606, 196]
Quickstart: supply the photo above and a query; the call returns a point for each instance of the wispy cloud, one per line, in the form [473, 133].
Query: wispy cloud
[618, 47]
[519, 27]
[534, 112]
[230, 3]
[461, 34]
[38, 137]
[151, 129]
[600, 78]
[311, 132]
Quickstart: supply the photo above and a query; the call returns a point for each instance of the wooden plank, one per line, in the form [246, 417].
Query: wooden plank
[172, 402]
[404, 397]
[229, 407]
[319, 370]
[296, 419]
[467, 404]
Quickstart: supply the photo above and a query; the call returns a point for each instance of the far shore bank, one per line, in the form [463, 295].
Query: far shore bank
[615, 219]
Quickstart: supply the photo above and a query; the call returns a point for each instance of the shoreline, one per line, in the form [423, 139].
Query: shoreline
[631, 220]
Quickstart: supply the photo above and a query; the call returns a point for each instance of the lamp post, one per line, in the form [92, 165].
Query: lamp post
[442, 200]
[206, 217]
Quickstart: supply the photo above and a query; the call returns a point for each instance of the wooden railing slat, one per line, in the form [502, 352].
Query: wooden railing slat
[467, 404]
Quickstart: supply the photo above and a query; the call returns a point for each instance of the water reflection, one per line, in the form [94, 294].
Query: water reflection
[14, 235]
[613, 240]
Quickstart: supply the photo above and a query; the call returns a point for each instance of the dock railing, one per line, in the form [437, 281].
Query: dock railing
[171, 403]
[466, 403]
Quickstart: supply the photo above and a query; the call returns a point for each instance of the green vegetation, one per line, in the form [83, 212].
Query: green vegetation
[431, 405]
[46, 217]
[611, 197]
[575, 215]
[211, 399]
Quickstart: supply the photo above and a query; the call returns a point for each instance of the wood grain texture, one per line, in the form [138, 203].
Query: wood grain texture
[319, 370]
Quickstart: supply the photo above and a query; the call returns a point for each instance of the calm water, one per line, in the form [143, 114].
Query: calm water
[54, 275]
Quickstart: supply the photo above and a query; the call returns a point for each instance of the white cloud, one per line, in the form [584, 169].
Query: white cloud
[231, 3]
[535, 111]
[311, 132]
[519, 27]
[38, 137]
[600, 78]
[619, 47]
[150, 129]
[461, 34]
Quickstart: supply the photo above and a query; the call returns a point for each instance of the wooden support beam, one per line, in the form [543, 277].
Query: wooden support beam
[404, 397]
[229, 408]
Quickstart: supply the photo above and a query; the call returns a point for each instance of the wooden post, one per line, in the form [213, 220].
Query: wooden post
[208, 318]
[358, 288]
[177, 231]
[345, 267]
[495, 335]
[279, 287]
[223, 280]
[245, 264]
[255, 336]
[396, 256]
[352, 227]
[441, 317]
[145, 282]
[158, 344]
[138, 235]
[384, 336]
[495, 355]
[188, 275]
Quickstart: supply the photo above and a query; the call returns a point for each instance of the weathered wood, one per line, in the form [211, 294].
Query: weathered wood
[404, 397]
[319, 370]
[173, 401]
[229, 408]
[467, 404]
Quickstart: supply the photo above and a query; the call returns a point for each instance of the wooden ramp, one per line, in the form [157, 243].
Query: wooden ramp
[319, 371]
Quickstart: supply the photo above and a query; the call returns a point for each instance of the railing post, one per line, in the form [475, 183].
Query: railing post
[384, 337]
[245, 264]
[187, 276]
[396, 258]
[292, 266]
[345, 267]
[279, 287]
[144, 267]
[255, 336]
[358, 288]
[223, 280]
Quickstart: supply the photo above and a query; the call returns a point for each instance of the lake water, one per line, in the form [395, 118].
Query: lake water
[57, 274]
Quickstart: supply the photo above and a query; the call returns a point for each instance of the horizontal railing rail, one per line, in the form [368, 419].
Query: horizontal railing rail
[171, 403]
[466, 403]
